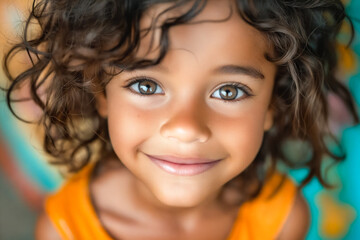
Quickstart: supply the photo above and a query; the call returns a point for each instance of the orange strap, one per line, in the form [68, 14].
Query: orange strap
[71, 210]
[264, 217]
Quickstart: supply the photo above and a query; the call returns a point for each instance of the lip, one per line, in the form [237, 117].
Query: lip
[183, 166]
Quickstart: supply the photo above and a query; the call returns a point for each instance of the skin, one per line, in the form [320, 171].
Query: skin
[187, 118]
[184, 120]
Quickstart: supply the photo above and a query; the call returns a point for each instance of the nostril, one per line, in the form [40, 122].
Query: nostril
[185, 132]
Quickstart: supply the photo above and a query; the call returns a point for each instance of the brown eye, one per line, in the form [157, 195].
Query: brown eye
[145, 87]
[228, 92]
[231, 92]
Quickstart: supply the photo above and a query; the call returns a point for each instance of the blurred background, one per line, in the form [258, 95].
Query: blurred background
[25, 177]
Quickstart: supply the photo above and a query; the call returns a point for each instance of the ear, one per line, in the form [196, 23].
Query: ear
[269, 119]
[101, 105]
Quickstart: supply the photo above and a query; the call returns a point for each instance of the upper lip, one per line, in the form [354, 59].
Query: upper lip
[183, 160]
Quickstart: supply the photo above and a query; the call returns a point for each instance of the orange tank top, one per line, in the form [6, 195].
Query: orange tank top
[74, 217]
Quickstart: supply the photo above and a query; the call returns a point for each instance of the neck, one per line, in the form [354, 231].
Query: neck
[183, 216]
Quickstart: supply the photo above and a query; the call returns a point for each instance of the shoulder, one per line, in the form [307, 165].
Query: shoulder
[297, 223]
[278, 212]
[44, 229]
[61, 206]
[275, 209]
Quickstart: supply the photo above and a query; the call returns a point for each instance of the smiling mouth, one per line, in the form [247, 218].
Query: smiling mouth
[183, 166]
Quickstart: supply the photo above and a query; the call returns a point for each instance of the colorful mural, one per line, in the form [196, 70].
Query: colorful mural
[336, 212]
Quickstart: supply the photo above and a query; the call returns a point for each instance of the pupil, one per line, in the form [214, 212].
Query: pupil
[147, 87]
[228, 93]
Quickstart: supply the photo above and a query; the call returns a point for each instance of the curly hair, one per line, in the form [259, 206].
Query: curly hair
[82, 44]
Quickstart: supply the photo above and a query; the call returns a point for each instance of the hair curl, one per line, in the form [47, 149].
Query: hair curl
[80, 40]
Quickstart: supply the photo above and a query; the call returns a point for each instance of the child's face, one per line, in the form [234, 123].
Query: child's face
[185, 115]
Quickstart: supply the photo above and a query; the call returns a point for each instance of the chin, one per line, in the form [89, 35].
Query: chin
[180, 199]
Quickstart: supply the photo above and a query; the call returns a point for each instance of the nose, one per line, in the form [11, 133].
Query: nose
[187, 125]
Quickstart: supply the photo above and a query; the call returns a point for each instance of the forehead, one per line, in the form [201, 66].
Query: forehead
[217, 33]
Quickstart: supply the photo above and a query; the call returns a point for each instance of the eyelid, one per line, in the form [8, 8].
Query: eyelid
[236, 84]
[138, 79]
[242, 87]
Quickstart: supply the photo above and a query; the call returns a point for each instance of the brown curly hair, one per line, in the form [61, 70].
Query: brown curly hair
[82, 44]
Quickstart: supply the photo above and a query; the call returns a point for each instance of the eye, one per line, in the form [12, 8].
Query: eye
[145, 87]
[231, 92]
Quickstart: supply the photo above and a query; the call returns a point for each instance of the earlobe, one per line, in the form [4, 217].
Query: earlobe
[101, 105]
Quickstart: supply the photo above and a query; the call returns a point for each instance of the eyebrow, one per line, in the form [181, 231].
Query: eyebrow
[236, 69]
[226, 69]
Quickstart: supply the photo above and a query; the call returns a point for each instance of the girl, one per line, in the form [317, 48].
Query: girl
[173, 115]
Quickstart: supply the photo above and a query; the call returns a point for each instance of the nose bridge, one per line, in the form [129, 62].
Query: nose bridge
[186, 123]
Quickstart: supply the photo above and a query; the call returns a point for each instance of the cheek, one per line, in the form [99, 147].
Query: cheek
[129, 127]
[242, 137]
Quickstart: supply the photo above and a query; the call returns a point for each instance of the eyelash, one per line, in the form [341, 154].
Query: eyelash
[139, 80]
[242, 87]
[245, 89]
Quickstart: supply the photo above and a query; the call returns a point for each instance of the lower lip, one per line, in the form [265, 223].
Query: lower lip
[183, 169]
